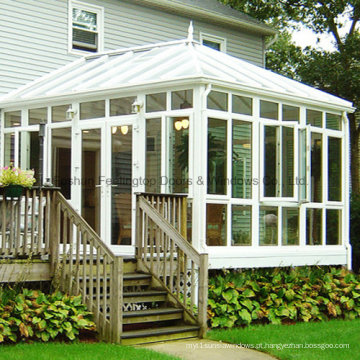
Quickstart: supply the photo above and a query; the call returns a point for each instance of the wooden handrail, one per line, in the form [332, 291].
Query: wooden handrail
[25, 223]
[84, 264]
[170, 230]
[169, 257]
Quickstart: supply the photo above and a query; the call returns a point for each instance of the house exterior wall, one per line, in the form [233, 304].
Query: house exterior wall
[34, 35]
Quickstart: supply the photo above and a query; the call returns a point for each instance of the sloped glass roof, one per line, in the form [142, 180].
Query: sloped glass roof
[165, 62]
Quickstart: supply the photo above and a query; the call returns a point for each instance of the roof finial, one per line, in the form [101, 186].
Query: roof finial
[190, 37]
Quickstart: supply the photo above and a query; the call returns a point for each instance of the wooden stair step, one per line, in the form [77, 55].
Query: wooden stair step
[152, 315]
[159, 334]
[130, 279]
[145, 296]
[136, 279]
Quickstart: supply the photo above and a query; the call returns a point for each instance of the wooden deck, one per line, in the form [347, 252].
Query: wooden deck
[159, 294]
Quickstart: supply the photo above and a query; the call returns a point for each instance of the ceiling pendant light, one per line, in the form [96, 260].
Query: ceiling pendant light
[124, 129]
[185, 123]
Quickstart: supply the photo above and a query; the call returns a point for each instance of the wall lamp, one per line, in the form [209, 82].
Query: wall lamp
[70, 113]
[136, 107]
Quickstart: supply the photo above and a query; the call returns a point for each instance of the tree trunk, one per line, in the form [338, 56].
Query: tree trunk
[354, 149]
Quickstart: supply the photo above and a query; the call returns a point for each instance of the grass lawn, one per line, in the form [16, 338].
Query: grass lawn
[272, 337]
[78, 351]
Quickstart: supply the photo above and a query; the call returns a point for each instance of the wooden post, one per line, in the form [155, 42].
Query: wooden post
[203, 294]
[184, 218]
[139, 249]
[183, 230]
[116, 300]
[54, 236]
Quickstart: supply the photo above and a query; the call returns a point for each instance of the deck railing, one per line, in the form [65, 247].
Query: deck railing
[42, 222]
[168, 256]
[25, 223]
[86, 265]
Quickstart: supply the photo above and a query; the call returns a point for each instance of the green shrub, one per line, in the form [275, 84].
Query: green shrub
[282, 296]
[30, 314]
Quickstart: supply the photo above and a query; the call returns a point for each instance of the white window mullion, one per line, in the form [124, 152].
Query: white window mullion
[164, 153]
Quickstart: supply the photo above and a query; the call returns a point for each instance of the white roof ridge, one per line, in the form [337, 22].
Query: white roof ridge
[142, 48]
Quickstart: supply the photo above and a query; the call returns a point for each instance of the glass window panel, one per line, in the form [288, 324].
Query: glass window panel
[182, 99]
[212, 44]
[92, 110]
[290, 226]
[334, 169]
[217, 156]
[316, 167]
[268, 230]
[84, 19]
[242, 105]
[9, 149]
[217, 101]
[333, 121]
[37, 116]
[58, 113]
[121, 106]
[287, 162]
[271, 160]
[12, 118]
[156, 102]
[333, 227]
[241, 225]
[121, 173]
[242, 164]
[153, 156]
[269, 110]
[303, 164]
[29, 151]
[216, 225]
[313, 226]
[314, 118]
[178, 151]
[290, 113]
[61, 159]
[91, 165]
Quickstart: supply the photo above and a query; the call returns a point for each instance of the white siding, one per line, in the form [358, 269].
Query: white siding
[34, 35]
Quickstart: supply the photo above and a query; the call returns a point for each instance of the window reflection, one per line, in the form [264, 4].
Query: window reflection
[217, 156]
[216, 225]
[268, 230]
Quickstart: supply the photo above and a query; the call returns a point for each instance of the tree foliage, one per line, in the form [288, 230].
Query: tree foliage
[338, 71]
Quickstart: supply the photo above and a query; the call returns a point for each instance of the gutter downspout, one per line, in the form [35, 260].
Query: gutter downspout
[347, 195]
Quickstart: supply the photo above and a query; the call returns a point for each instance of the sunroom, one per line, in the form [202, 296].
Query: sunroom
[263, 160]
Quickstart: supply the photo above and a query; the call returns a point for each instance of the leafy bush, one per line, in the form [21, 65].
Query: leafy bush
[30, 314]
[282, 296]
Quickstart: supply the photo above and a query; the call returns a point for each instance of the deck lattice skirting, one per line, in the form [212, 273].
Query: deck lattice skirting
[167, 269]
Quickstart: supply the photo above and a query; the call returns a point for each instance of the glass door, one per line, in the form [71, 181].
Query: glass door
[121, 173]
[91, 178]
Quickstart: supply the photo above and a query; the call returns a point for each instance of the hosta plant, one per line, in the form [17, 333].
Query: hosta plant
[30, 314]
[282, 296]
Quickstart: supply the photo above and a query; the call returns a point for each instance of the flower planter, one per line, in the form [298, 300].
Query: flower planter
[13, 191]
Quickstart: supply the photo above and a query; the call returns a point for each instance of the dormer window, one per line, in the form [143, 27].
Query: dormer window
[86, 27]
[213, 42]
